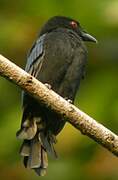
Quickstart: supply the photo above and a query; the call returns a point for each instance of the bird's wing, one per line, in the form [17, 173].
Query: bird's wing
[57, 58]
[34, 61]
[35, 54]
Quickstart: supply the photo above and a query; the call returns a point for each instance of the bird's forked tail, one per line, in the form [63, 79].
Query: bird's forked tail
[36, 144]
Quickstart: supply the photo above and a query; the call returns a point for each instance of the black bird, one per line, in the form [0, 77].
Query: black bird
[58, 58]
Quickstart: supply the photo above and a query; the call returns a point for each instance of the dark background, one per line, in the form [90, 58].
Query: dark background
[79, 156]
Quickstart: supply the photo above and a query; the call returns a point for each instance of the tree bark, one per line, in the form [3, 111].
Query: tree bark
[80, 120]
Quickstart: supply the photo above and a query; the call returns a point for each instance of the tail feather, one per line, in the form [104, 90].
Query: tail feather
[37, 157]
[40, 171]
[25, 148]
[34, 159]
[35, 147]
[44, 159]
[47, 143]
[28, 130]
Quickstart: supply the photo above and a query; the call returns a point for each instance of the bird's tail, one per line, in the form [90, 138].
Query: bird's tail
[37, 143]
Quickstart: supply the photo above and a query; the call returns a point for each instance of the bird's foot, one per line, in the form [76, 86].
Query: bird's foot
[48, 85]
[69, 100]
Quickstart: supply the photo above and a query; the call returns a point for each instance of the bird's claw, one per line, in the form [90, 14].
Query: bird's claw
[48, 85]
[69, 100]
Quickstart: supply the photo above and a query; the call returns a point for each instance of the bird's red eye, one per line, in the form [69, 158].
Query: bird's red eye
[73, 24]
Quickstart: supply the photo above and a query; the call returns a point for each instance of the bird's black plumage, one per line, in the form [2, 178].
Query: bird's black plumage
[58, 57]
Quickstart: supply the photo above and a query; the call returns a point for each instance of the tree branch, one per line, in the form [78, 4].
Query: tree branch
[71, 114]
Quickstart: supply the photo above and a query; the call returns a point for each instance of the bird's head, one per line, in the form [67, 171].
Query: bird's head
[65, 22]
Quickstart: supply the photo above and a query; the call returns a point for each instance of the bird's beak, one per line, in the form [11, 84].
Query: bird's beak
[87, 37]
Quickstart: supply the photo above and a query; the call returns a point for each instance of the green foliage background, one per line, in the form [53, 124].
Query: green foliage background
[79, 156]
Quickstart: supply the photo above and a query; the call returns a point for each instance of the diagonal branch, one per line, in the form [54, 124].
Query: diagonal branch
[71, 114]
